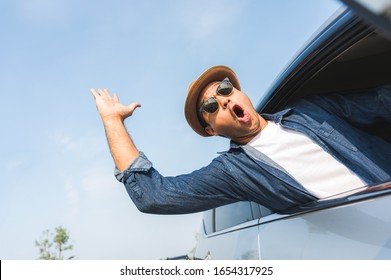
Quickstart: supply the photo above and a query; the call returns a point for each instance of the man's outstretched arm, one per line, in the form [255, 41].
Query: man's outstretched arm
[113, 115]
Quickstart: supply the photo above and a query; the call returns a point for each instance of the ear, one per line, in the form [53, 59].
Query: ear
[211, 131]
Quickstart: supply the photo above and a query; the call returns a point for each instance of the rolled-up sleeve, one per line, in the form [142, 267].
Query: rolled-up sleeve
[140, 164]
[154, 193]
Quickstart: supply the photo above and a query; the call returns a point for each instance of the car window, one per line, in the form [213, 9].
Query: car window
[208, 221]
[264, 211]
[232, 214]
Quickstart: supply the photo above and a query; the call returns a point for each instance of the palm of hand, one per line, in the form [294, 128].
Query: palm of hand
[109, 107]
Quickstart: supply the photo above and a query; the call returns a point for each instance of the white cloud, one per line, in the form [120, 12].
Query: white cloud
[73, 198]
[99, 182]
[44, 10]
[85, 147]
[64, 141]
[206, 20]
[72, 194]
[15, 164]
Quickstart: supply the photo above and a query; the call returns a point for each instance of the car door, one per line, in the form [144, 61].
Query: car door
[229, 232]
[354, 227]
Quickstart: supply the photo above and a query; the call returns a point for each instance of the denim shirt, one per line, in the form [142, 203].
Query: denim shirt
[343, 125]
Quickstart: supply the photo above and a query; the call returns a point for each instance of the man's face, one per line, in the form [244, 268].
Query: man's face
[235, 116]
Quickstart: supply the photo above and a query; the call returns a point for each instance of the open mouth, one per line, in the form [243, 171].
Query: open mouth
[238, 111]
[240, 114]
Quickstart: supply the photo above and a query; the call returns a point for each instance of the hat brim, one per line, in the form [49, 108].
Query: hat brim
[213, 74]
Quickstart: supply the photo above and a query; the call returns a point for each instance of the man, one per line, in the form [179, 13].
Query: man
[312, 149]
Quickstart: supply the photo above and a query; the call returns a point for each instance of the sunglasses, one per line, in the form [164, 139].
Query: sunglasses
[211, 105]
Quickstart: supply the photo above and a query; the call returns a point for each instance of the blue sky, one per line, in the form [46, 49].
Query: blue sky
[55, 164]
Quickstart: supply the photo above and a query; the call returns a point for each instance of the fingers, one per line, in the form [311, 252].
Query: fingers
[130, 109]
[94, 93]
[134, 105]
[105, 95]
[100, 93]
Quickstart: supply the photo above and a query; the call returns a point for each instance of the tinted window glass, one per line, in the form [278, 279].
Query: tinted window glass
[256, 210]
[265, 211]
[232, 214]
[208, 221]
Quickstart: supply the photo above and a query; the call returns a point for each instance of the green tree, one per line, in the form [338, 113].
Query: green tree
[60, 239]
[45, 245]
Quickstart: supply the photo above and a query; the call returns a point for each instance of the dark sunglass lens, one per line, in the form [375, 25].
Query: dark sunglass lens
[225, 91]
[210, 105]
[225, 87]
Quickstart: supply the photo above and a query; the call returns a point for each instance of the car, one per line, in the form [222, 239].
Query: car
[347, 53]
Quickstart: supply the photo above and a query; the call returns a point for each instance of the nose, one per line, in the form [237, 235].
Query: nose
[223, 101]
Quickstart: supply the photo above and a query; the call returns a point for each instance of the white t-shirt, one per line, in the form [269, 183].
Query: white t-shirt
[318, 171]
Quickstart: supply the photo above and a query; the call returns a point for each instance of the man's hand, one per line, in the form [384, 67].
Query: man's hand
[113, 114]
[109, 106]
